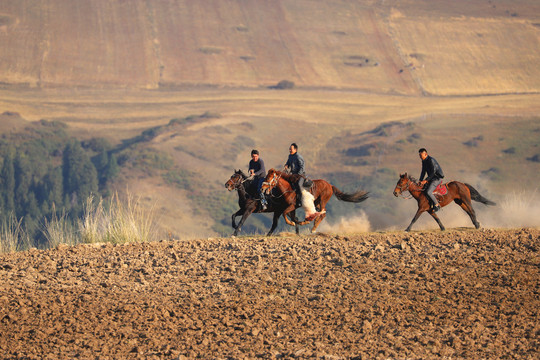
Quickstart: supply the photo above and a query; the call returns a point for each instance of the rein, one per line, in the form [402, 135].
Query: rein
[402, 189]
[273, 183]
[239, 182]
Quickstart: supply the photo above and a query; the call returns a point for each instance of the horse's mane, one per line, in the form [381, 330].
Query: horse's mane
[241, 173]
[291, 178]
[412, 178]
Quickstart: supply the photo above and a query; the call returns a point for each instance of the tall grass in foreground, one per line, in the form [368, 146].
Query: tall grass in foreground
[13, 237]
[119, 222]
[114, 221]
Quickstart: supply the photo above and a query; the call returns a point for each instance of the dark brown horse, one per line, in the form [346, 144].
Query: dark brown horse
[249, 202]
[321, 190]
[458, 192]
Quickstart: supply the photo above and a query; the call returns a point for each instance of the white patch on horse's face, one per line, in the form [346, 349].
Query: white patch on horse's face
[307, 202]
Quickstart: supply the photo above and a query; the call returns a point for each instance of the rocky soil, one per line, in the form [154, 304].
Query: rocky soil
[424, 295]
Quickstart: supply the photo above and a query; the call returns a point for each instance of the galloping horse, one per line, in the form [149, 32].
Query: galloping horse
[321, 190]
[250, 204]
[460, 193]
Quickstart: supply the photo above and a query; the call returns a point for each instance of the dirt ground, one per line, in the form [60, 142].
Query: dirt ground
[422, 295]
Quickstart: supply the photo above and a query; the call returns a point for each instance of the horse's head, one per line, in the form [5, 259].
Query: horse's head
[272, 178]
[236, 180]
[402, 184]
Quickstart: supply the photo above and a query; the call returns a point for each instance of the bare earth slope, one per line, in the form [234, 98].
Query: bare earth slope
[456, 294]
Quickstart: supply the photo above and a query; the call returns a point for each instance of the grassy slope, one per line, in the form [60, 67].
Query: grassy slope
[480, 50]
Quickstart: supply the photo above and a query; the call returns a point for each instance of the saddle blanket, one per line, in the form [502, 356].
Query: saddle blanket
[441, 189]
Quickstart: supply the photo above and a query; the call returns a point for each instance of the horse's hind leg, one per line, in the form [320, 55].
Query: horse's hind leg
[292, 214]
[470, 211]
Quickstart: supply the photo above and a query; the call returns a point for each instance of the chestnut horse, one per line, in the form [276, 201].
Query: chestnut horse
[458, 192]
[249, 202]
[321, 190]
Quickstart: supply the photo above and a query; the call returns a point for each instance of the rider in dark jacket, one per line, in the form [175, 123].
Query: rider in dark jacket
[432, 169]
[295, 165]
[256, 169]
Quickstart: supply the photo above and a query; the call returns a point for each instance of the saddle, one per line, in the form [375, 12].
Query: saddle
[308, 183]
[441, 190]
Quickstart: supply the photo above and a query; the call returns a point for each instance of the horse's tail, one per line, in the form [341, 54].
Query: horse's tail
[355, 197]
[475, 195]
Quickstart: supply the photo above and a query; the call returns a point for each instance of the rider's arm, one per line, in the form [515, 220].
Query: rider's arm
[301, 165]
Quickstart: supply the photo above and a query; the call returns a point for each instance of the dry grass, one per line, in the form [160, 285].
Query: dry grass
[12, 236]
[117, 221]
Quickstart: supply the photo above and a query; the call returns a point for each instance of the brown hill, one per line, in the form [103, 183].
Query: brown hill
[390, 46]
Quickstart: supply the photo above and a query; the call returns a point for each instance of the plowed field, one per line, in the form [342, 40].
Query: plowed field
[423, 295]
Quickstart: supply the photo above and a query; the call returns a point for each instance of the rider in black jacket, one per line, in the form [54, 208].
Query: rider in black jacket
[432, 169]
[257, 170]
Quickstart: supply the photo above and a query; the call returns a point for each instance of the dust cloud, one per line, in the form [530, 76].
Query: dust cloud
[516, 209]
[354, 224]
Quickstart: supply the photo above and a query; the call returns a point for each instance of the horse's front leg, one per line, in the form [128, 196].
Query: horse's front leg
[416, 216]
[238, 213]
[286, 212]
[247, 211]
[274, 223]
[432, 213]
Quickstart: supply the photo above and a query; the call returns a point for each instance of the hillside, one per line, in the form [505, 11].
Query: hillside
[461, 294]
[377, 46]
[374, 81]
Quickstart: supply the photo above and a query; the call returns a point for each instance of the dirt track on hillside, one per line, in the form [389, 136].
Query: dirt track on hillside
[457, 294]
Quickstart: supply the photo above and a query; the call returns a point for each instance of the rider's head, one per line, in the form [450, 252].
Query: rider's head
[255, 154]
[422, 153]
[293, 148]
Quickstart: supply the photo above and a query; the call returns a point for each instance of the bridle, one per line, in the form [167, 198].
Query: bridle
[273, 182]
[238, 181]
[405, 187]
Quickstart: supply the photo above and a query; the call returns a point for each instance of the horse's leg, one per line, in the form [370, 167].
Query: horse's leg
[274, 223]
[318, 221]
[470, 211]
[248, 211]
[416, 216]
[286, 212]
[432, 213]
[293, 217]
[238, 213]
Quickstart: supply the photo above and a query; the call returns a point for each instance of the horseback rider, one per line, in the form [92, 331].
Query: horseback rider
[257, 170]
[296, 165]
[432, 169]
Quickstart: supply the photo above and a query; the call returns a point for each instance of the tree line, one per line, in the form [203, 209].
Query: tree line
[44, 172]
